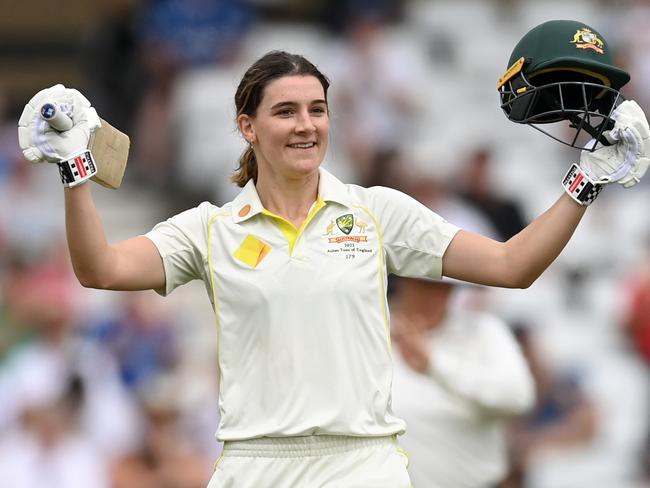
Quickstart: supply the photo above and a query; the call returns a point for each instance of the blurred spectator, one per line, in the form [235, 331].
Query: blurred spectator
[38, 301]
[10, 155]
[636, 325]
[165, 458]
[477, 189]
[111, 54]
[459, 372]
[25, 221]
[12, 333]
[42, 301]
[441, 198]
[30, 217]
[637, 320]
[632, 47]
[190, 33]
[336, 14]
[60, 416]
[373, 99]
[48, 447]
[35, 301]
[206, 143]
[459, 375]
[390, 168]
[178, 35]
[140, 336]
[564, 415]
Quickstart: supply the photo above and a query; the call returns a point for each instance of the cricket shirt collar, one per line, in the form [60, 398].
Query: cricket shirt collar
[247, 203]
[331, 189]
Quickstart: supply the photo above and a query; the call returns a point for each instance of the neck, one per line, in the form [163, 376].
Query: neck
[291, 199]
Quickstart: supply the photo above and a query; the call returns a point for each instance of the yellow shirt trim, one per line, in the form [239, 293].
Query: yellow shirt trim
[381, 274]
[289, 230]
[213, 288]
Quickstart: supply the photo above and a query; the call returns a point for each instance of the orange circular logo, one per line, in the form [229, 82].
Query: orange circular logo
[243, 212]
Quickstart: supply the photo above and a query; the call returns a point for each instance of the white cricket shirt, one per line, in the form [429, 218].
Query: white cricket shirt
[455, 415]
[301, 314]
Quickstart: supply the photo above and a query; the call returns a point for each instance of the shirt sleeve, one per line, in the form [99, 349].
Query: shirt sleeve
[479, 359]
[182, 243]
[414, 237]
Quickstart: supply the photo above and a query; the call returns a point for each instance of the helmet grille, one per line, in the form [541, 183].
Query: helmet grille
[556, 95]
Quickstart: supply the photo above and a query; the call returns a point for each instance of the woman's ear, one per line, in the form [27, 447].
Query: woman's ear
[245, 124]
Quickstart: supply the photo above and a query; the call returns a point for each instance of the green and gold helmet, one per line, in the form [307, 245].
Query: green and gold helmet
[562, 70]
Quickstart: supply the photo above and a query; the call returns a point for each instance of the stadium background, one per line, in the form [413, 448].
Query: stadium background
[413, 96]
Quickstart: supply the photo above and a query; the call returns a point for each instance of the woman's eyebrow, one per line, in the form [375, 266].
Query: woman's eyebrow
[291, 104]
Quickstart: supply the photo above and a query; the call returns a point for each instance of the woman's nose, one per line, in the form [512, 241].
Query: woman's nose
[304, 123]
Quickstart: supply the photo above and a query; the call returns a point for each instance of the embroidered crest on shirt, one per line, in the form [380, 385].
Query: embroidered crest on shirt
[252, 251]
[345, 223]
[347, 237]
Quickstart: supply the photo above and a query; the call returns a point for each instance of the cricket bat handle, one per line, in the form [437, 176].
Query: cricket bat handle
[53, 115]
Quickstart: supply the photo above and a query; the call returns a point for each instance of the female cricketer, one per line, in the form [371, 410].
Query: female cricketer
[296, 269]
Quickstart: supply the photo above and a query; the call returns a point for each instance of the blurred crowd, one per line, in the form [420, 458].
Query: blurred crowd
[107, 389]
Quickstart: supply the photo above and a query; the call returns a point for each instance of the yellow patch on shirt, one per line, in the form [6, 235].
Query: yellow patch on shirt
[252, 251]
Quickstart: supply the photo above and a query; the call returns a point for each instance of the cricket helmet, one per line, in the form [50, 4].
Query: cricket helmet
[562, 70]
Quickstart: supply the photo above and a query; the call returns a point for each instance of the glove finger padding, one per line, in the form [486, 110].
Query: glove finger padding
[30, 125]
[40, 142]
[630, 114]
[627, 159]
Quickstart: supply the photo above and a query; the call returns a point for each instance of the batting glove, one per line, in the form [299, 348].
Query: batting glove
[627, 159]
[624, 162]
[41, 142]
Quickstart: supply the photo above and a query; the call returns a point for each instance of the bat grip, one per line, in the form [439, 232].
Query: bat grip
[53, 115]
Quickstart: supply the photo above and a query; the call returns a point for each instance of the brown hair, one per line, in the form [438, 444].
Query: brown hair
[273, 65]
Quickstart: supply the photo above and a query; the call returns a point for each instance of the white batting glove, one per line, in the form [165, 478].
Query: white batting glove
[40, 142]
[627, 159]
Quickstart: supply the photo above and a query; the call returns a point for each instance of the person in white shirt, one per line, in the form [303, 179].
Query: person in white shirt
[296, 271]
[459, 376]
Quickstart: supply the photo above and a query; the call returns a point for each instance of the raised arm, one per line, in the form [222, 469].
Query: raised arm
[132, 264]
[55, 127]
[518, 262]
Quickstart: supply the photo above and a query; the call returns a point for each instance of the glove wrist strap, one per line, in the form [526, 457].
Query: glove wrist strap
[580, 187]
[77, 169]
